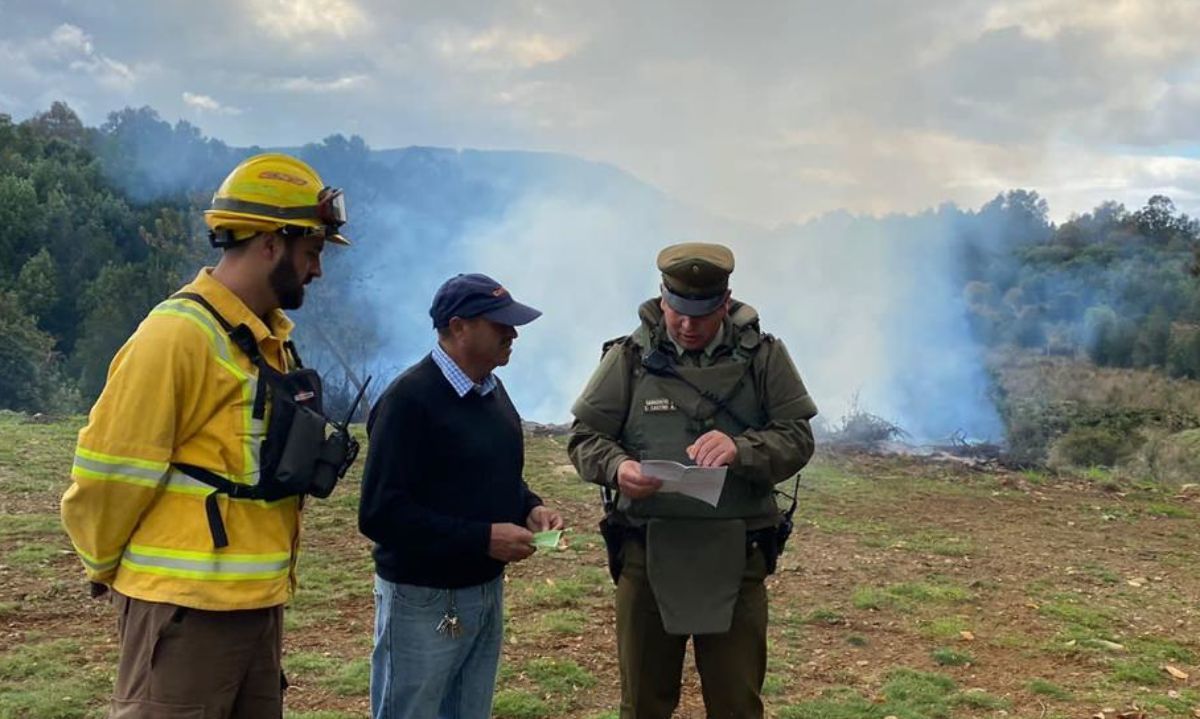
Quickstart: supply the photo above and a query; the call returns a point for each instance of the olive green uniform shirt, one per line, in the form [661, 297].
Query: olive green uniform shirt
[770, 454]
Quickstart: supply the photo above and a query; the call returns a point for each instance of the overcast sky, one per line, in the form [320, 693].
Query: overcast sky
[765, 111]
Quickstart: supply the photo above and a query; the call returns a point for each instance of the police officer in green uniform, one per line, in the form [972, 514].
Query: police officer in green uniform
[698, 383]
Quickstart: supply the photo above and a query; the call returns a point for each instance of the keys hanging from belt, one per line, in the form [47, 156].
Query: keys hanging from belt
[450, 625]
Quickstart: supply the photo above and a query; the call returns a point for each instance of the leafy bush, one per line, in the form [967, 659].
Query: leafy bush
[1089, 447]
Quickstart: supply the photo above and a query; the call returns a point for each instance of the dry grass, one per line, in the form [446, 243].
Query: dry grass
[1062, 379]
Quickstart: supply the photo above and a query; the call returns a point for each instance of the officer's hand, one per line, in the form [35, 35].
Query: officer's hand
[713, 449]
[510, 543]
[542, 518]
[631, 482]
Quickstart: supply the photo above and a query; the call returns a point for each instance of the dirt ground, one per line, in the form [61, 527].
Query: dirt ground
[909, 589]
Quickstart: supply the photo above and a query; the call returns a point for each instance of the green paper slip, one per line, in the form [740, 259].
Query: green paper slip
[548, 539]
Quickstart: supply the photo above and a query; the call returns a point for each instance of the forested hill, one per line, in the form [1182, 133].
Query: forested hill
[97, 224]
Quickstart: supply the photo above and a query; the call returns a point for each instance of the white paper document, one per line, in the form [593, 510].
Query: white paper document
[703, 483]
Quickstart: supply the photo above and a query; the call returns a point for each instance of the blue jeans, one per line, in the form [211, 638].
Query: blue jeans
[420, 673]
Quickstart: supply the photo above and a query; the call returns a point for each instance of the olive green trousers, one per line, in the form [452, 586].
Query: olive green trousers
[731, 665]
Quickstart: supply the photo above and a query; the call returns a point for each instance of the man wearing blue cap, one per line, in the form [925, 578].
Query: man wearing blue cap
[444, 499]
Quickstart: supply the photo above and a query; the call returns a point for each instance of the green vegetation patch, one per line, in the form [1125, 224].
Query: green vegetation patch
[516, 704]
[302, 666]
[1140, 672]
[944, 627]
[979, 699]
[948, 657]
[1166, 510]
[1070, 611]
[935, 541]
[773, 685]
[907, 694]
[562, 621]
[827, 617]
[1048, 689]
[352, 678]
[1157, 648]
[559, 676]
[560, 592]
[1179, 703]
[341, 676]
[50, 680]
[30, 525]
[33, 555]
[908, 596]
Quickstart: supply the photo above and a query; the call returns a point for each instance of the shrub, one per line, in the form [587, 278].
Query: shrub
[1089, 447]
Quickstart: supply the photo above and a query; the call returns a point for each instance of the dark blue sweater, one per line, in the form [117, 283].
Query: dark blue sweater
[441, 469]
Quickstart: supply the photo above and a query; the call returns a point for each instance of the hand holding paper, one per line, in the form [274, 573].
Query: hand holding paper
[713, 449]
[542, 518]
[633, 483]
[703, 483]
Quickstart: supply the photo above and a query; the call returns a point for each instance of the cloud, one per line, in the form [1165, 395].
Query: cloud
[63, 63]
[308, 19]
[307, 84]
[205, 103]
[499, 48]
[1152, 31]
[68, 51]
[773, 113]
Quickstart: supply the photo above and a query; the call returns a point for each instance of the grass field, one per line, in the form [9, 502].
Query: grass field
[910, 590]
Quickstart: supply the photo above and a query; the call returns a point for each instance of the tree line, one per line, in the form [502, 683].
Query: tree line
[1114, 285]
[98, 224]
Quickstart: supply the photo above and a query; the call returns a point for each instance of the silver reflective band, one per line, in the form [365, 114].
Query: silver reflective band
[211, 567]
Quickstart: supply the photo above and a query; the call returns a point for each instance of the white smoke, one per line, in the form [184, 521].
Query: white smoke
[867, 307]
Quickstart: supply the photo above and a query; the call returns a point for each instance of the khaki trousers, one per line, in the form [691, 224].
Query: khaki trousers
[182, 663]
[731, 665]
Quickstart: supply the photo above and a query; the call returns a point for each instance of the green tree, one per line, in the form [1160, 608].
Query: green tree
[114, 303]
[1183, 352]
[1153, 338]
[37, 284]
[27, 376]
[21, 223]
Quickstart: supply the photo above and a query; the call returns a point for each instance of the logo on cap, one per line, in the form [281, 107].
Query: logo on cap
[499, 292]
[283, 177]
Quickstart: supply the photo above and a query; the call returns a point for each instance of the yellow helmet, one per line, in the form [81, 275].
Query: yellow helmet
[274, 193]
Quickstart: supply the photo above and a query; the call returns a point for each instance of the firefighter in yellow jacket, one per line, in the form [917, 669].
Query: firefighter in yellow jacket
[185, 498]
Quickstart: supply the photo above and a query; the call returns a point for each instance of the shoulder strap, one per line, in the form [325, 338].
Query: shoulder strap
[609, 344]
[241, 335]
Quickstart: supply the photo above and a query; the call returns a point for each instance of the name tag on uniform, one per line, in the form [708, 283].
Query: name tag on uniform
[659, 405]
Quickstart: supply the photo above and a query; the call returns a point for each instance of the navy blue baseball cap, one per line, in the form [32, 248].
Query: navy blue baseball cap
[476, 295]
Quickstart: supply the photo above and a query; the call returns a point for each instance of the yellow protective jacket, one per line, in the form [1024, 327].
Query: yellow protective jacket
[179, 391]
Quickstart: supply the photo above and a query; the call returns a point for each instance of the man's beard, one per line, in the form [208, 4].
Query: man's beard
[287, 285]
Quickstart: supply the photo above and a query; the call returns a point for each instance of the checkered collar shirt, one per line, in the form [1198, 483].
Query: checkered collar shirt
[458, 379]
